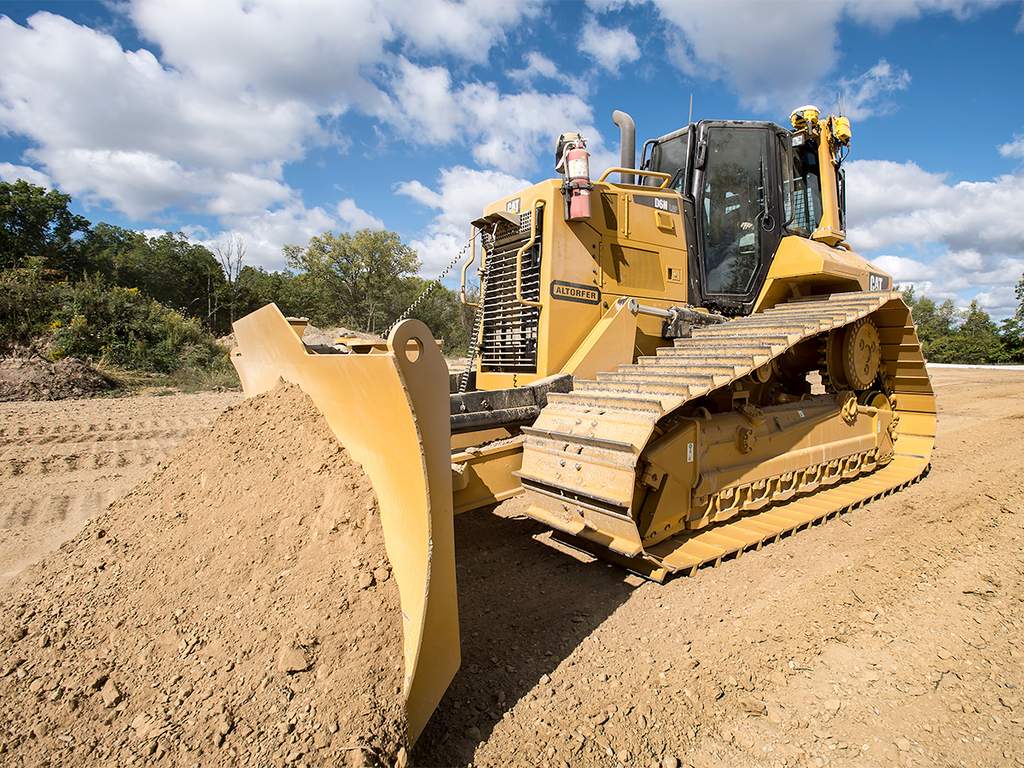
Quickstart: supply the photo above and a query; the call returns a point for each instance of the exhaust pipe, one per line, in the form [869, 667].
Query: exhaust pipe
[627, 143]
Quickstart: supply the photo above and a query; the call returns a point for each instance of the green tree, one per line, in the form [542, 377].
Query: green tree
[976, 341]
[106, 245]
[28, 299]
[1012, 331]
[256, 287]
[176, 272]
[36, 223]
[1011, 335]
[355, 277]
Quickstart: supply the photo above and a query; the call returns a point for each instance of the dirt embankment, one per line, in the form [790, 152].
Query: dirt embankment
[36, 378]
[235, 609]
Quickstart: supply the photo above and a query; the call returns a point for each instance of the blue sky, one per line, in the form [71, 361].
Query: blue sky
[277, 120]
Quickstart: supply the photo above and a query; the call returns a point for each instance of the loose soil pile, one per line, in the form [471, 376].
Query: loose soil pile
[36, 378]
[237, 608]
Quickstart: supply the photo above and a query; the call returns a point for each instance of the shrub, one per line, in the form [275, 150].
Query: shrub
[123, 327]
[28, 300]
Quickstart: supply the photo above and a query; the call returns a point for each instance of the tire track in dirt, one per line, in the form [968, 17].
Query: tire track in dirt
[62, 462]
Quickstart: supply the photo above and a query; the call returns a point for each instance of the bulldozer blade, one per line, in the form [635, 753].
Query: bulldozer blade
[390, 411]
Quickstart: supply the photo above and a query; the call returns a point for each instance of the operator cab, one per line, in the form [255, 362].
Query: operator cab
[745, 185]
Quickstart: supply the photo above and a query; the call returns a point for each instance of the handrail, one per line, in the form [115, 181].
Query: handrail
[637, 172]
[465, 268]
[538, 205]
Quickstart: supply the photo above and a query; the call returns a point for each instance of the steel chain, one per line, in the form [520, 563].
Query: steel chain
[431, 285]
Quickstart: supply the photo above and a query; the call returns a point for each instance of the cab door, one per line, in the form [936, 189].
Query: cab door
[738, 222]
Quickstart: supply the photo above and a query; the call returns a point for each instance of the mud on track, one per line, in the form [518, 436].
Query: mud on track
[62, 462]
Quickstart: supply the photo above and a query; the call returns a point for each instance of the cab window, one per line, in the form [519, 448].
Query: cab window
[731, 207]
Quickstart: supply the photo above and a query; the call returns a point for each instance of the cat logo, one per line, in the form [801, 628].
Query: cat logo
[512, 206]
[584, 294]
[877, 282]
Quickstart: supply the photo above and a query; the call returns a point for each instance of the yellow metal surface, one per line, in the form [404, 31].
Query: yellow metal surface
[665, 177]
[390, 411]
[486, 475]
[830, 228]
[537, 208]
[608, 346]
[628, 248]
[802, 267]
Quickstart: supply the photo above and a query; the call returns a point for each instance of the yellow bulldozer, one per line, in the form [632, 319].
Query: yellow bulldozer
[673, 367]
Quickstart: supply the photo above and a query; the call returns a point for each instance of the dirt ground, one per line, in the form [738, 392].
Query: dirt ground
[891, 636]
[62, 462]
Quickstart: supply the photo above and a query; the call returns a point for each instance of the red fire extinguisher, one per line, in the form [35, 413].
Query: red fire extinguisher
[573, 162]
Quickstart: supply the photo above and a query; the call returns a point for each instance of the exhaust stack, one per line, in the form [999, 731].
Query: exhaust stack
[627, 143]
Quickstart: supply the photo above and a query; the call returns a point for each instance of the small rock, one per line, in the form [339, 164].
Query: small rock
[141, 725]
[110, 694]
[545, 679]
[753, 706]
[95, 681]
[292, 659]
[623, 755]
[902, 744]
[669, 762]
[365, 580]
[39, 730]
[382, 574]
[832, 705]
[223, 725]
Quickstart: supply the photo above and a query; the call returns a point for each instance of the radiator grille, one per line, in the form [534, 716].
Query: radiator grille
[510, 328]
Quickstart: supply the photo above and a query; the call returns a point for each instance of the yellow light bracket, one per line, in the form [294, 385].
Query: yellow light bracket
[841, 132]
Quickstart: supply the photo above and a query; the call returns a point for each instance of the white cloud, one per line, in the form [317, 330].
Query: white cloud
[882, 14]
[900, 203]
[961, 241]
[865, 95]
[316, 50]
[468, 28]
[355, 217]
[267, 232]
[1014, 148]
[505, 131]
[537, 65]
[460, 197]
[753, 46]
[11, 173]
[241, 88]
[774, 58]
[609, 47]
[903, 269]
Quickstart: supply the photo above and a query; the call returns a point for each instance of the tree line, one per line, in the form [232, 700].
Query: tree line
[156, 303]
[952, 335]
